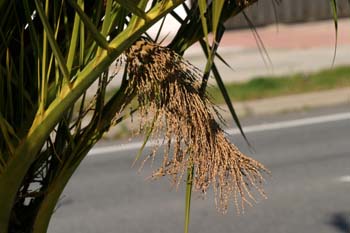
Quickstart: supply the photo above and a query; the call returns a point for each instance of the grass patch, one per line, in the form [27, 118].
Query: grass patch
[264, 87]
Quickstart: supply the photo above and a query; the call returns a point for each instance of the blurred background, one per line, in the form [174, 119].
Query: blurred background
[293, 99]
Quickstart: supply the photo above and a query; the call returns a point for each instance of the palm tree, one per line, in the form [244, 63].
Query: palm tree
[51, 53]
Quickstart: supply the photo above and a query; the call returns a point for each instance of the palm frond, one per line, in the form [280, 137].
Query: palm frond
[53, 43]
[51, 53]
[133, 8]
[335, 19]
[99, 38]
[262, 49]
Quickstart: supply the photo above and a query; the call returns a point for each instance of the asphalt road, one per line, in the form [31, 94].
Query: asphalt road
[307, 192]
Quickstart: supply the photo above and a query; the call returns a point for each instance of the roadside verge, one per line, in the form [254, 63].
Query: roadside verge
[265, 106]
[291, 102]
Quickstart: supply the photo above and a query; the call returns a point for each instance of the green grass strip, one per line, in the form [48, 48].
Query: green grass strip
[265, 87]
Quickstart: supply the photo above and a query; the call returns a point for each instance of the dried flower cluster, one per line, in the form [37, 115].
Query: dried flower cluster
[167, 88]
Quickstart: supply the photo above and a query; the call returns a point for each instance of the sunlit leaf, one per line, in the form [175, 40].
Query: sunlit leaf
[216, 9]
[53, 43]
[44, 78]
[203, 10]
[95, 33]
[74, 41]
[132, 7]
[135, 19]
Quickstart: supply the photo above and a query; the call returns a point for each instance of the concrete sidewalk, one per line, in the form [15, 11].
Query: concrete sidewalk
[297, 48]
[290, 103]
[294, 48]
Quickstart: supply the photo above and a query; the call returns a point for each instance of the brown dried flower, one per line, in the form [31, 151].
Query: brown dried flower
[167, 88]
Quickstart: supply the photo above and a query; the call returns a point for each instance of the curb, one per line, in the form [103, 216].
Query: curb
[266, 106]
[290, 103]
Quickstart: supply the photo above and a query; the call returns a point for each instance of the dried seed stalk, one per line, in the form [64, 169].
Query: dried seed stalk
[167, 88]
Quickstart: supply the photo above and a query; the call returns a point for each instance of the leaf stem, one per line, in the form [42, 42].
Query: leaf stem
[189, 184]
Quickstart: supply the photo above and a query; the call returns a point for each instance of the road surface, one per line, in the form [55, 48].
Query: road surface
[308, 154]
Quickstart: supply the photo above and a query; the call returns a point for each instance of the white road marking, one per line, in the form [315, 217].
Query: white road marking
[120, 147]
[292, 123]
[235, 131]
[344, 179]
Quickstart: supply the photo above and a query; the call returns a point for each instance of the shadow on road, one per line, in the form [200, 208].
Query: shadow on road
[341, 221]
